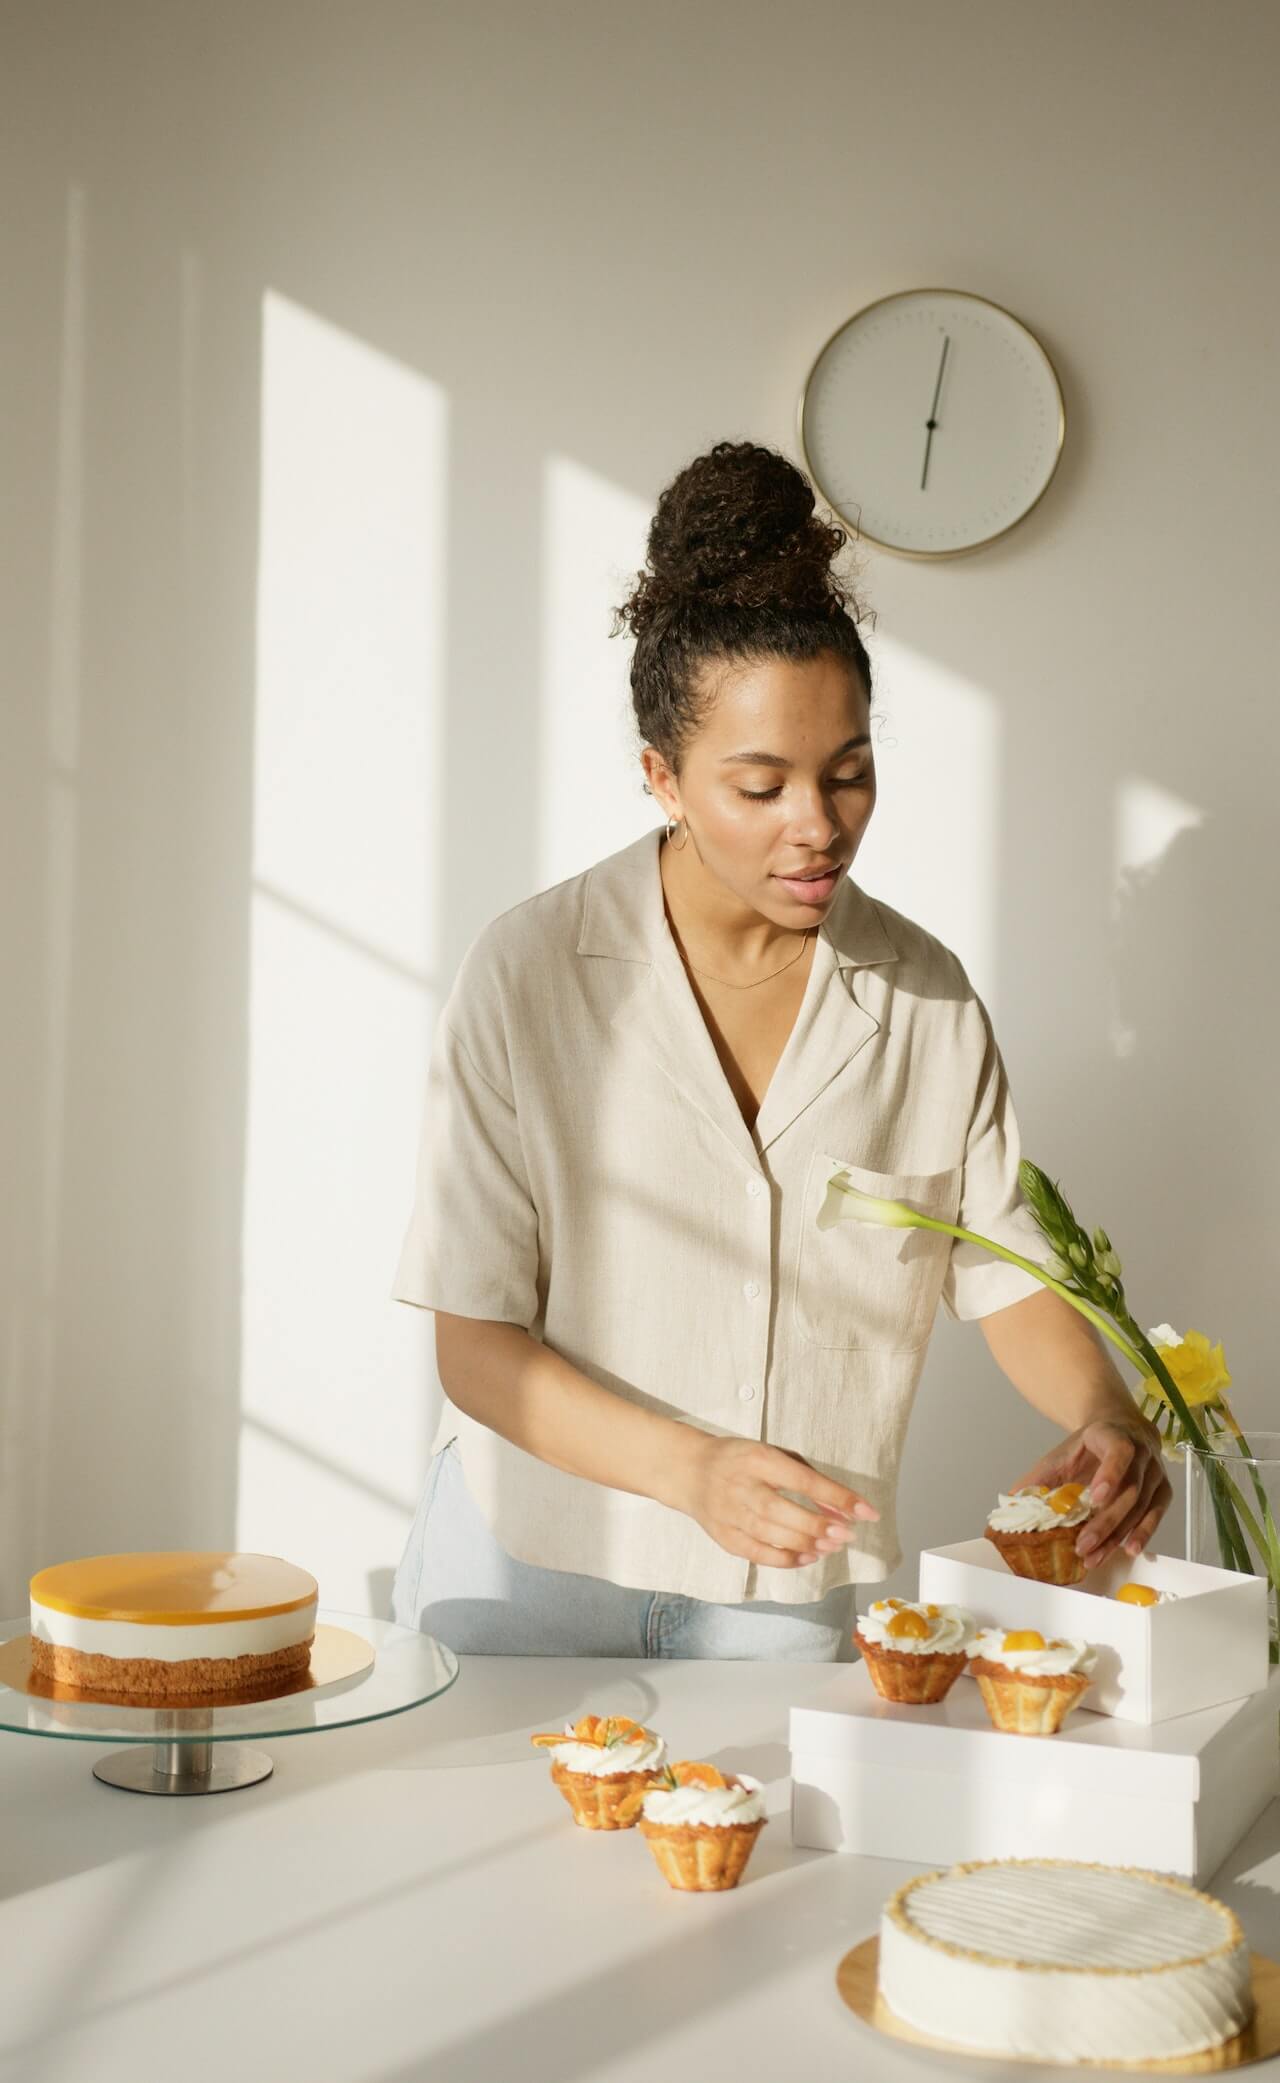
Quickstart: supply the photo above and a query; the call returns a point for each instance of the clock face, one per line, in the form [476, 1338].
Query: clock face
[932, 422]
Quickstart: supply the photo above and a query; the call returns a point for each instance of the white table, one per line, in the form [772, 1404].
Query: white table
[410, 1902]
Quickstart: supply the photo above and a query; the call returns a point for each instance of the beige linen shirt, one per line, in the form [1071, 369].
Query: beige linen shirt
[585, 1172]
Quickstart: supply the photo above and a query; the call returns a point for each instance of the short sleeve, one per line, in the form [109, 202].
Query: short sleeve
[471, 1248]
[991, 1201]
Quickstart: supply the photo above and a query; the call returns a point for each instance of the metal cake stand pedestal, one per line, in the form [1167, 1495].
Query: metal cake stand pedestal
[361, 1670]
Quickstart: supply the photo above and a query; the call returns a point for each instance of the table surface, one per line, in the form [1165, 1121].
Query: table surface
[411, 1902]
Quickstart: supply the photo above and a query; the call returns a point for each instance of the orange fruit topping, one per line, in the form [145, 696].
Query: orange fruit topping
[933, 1611]
[1138, 1594]
[687, 1773]
[896, 1603]
[595, 1728]
[908, 1626]
[1067, 1498]
[1024, 1638]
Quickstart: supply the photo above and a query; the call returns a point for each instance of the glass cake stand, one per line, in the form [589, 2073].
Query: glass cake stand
[362, 1670]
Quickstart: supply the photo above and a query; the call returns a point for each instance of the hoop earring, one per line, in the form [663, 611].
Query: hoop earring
[672, 822]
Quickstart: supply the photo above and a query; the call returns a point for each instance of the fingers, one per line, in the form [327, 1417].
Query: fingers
[788, 1471]
[1145, 1494]
[1115, 1453]
[1136, 1529]
[1147, 1525]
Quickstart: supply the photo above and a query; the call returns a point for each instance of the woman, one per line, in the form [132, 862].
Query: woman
[675, 1407]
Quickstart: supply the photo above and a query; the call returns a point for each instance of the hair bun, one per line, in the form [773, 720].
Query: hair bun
[737, 528]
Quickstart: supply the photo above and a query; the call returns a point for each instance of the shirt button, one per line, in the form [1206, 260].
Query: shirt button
[746, 1392]
[753, 1187]
[751, 1289]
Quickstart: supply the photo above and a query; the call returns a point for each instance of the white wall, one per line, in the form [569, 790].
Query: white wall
[346, 351]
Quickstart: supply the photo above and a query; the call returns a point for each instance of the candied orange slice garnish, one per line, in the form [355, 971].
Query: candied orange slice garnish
[547, 1741]
[1066, 1498]
[908, 1626]
[1138, 1594]
[632, 1805]
[933, 1611]
[688, 1773]
[1024, 1638]
[896, 1603]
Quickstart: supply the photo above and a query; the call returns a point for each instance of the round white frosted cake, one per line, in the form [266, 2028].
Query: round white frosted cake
[1062, 1962]
[186, 1622]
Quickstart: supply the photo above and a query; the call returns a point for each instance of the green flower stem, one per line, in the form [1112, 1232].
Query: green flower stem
[951, 1229]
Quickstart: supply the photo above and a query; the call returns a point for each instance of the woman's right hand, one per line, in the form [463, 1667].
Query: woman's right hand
[733, 1489]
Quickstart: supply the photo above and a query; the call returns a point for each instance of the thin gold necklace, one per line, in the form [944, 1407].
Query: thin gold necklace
[730, 986]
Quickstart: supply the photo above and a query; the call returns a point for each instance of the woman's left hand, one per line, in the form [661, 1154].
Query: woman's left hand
[1120, 1461]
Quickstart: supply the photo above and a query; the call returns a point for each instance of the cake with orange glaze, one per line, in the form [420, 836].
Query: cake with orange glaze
[1036, 1529]
[181, 1622]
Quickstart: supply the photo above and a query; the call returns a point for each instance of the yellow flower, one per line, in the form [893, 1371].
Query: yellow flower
[1198, 1369]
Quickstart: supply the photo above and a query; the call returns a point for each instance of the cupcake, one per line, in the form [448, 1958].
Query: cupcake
[700, 1825]
[1028, 1685]
[599, 1762]
[1035, 1530]
[1131, 1594]
[913, 1653]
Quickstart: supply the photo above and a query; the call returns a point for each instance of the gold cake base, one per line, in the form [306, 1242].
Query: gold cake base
[856, 1982]
[336, 1653]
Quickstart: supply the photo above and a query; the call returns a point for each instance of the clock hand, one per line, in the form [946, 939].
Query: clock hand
[931, 422]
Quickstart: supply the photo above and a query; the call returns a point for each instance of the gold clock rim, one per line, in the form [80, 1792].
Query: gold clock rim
[898, 296]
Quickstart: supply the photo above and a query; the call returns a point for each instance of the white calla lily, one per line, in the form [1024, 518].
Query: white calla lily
[847, 1203]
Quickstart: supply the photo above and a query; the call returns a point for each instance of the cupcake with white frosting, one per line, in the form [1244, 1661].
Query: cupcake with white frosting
[1029, 1685]
[913, 1653]
[700, 1824]
[599, 1762]
[1035, 1529]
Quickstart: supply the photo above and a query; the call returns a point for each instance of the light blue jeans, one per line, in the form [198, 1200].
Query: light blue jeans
[455, 1582]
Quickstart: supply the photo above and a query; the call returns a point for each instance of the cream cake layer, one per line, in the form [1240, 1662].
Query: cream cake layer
[1061, 1962]
[170, 1644]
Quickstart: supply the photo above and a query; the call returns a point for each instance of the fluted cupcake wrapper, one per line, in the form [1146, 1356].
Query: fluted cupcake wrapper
[1048, 1555]
[1024, 1706]
[913, 1681]
[597, 1798]
[701, 1857]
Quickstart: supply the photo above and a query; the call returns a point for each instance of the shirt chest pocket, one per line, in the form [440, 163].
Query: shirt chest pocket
[860, 1288]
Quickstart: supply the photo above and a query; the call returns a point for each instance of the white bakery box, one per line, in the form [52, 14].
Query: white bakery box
[1207, 1644]
[1163, 1768]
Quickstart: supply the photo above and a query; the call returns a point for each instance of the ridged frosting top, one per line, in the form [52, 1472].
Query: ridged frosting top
[1057, 1914]
[178, 1588]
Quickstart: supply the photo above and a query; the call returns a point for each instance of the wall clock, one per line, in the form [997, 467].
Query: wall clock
[932, 422]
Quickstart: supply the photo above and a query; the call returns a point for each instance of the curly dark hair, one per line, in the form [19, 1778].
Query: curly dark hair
[738, 570]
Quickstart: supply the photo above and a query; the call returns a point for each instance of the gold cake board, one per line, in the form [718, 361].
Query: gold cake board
[856, 1982]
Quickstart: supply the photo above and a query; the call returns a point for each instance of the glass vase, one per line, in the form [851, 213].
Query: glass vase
[1233, 1510]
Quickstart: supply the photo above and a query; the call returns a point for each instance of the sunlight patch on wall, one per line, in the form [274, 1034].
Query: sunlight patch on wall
[932, 848]
[1148, 819]
[590, 796]
[343, 943]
